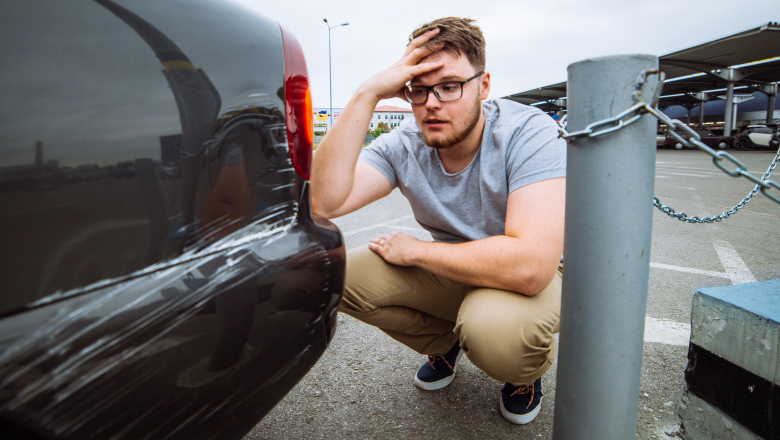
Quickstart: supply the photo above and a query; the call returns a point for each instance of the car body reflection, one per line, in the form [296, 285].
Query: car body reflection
[163, 276]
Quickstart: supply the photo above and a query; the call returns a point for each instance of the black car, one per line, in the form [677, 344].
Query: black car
[163, 276]
[754, 136]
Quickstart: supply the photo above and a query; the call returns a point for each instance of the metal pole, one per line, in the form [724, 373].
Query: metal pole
[609, 189]
[688, 120]
[701, 114]
[728, 110]
[770, 105]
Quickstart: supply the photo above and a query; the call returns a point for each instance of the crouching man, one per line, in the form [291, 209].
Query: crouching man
[486, 177]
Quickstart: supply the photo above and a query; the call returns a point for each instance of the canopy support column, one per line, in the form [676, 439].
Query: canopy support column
[728, 116]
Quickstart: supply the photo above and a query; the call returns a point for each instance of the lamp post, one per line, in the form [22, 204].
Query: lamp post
[330, 69]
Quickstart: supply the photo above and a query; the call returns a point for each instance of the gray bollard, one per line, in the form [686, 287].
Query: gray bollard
[609, 193]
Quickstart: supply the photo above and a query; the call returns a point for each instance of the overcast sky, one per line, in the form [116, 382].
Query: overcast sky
[529, 43]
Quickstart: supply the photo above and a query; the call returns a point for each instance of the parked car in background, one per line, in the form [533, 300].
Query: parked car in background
[707, 137]
[754, 136]
[660, 138]
[163, 276]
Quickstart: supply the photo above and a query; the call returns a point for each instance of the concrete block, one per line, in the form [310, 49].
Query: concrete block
[732, 376]
[703, 421]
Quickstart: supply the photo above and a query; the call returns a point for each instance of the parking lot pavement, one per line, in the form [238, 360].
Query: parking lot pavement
[362, 387]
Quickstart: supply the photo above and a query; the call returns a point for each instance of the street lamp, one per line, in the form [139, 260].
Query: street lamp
[330, 69]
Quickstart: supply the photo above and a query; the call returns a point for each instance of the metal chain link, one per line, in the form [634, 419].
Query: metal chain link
[633, 113]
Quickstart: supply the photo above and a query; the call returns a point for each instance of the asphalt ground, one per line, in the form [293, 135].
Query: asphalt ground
[362, 386]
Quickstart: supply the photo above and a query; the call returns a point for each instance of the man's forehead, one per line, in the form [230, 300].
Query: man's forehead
[455, 67]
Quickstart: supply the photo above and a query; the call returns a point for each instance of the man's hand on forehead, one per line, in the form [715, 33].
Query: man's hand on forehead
[390, 82]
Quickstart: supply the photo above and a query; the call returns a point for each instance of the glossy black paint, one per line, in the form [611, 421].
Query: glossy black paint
[162, 274]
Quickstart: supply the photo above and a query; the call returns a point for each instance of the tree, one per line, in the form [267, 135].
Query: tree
[380, 128]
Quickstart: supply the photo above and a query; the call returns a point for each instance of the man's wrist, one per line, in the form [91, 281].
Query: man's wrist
[365, 94]
[417, 254]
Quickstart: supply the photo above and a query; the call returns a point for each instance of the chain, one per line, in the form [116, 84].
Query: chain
[726, 214]
[719, 158]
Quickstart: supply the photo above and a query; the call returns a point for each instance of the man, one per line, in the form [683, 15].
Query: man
[487, 180]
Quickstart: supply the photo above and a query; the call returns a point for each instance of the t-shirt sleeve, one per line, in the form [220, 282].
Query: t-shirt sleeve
[383, 154]
[534, 152]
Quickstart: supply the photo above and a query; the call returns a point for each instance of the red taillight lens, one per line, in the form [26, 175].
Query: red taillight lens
[297, 105]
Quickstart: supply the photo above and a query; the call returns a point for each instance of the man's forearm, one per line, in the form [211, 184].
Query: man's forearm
[333, 166]
[500, 262]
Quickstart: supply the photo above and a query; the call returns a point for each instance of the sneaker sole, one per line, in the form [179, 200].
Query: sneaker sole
[520, 419]
[439, 384]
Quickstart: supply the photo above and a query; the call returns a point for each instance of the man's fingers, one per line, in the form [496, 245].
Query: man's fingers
[419, 69]
[414, 44]
[422, 52]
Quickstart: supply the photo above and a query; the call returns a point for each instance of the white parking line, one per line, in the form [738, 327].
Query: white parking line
[681, 174]
[377, 225]
[703, 170]
[667, 332]
[709, 273]
[735, 267]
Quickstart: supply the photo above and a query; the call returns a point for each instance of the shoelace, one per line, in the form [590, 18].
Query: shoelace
[432, 359]
[522, 389]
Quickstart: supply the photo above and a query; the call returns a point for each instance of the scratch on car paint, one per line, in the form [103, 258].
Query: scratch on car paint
[79, 366]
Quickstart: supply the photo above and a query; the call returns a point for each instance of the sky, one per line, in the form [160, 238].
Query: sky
[529, 43]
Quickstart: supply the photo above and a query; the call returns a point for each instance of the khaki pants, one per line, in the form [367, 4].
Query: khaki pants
[507, 335]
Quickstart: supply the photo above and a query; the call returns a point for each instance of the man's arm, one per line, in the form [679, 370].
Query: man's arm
[523, 260]
[339, 184]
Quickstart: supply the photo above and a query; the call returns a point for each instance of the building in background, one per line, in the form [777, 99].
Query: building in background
[390, 115]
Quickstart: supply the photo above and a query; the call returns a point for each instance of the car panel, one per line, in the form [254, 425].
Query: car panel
[111, 83]
[165, 276]
[234, 326]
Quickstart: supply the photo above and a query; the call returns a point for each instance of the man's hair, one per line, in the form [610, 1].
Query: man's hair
[459, 36]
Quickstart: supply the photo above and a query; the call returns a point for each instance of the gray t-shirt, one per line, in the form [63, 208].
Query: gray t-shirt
[520, 146]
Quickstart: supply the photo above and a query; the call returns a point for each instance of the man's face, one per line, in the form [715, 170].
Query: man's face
[446, 124]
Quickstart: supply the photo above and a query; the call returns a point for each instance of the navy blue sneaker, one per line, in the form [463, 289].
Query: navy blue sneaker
[521, 404]
[439, 371]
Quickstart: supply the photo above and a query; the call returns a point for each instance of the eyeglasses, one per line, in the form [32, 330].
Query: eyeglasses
[446, 91]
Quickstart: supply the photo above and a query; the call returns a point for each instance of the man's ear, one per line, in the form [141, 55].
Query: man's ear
[484, 85]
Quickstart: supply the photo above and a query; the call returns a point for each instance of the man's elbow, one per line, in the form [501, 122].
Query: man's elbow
[533, 283]
[317, 209]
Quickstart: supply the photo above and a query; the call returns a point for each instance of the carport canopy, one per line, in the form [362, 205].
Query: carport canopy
[750, 60]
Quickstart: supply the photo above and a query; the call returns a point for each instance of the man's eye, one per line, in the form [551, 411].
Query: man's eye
[418, 91]
[448, 88]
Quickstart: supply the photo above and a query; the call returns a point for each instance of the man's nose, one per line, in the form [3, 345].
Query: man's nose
[432, 101]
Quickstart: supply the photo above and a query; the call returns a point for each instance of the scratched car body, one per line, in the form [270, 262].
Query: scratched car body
[162, 274]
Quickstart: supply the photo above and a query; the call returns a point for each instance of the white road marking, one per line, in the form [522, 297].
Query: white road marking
[377, 225]
[709, 273]
[735, 267]
[405, 228]
[705, 170]
[681, 174]
[667, 332]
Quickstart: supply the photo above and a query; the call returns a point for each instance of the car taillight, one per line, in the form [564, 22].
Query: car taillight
[297, 105]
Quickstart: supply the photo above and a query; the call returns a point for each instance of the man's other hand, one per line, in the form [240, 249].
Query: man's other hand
[396, 248]
[390, 82]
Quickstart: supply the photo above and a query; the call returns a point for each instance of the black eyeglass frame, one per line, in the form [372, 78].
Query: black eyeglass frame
[429, 89]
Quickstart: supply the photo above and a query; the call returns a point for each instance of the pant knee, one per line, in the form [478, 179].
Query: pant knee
[508, 350]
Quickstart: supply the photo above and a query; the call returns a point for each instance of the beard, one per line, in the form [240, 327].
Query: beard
[457, 135]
